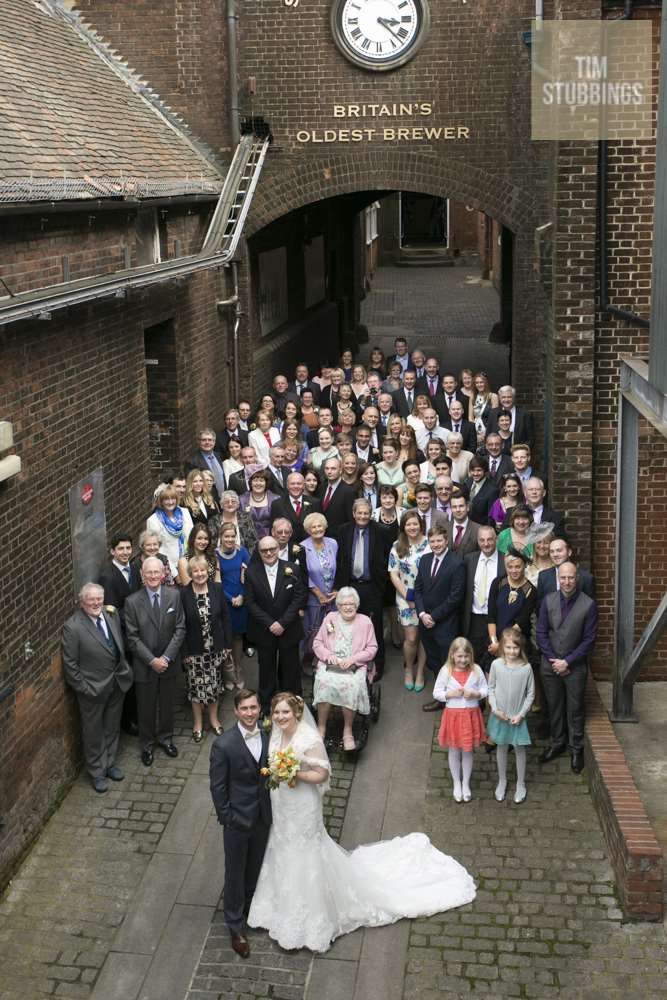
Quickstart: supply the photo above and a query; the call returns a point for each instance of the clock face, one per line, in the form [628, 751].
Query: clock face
[379, 34]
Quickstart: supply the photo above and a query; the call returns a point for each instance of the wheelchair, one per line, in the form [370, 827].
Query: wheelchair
[362, 723]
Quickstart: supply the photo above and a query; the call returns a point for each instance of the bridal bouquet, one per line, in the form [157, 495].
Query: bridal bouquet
[283, 767]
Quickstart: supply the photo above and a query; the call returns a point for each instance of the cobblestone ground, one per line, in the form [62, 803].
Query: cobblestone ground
[545, 922]
[445, 310]
[59, 916]
[270, 971]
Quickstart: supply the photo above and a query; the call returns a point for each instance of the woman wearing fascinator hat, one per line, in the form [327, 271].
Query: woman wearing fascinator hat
[539, 536]
[512, 599]
[310, 890]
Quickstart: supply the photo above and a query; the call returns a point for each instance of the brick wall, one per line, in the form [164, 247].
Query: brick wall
[180, 48]
[630, 192]
[74, 389]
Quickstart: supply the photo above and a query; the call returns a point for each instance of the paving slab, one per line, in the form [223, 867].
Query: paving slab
[121, 977]
[189, 818]
[149, 912]
[178, 954]
[205, 877]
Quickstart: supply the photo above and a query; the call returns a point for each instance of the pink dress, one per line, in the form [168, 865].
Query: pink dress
[461, 728]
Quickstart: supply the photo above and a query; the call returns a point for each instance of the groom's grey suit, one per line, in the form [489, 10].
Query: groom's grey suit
[243, 806]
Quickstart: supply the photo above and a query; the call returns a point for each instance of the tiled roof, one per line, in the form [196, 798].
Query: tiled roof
[76, 123]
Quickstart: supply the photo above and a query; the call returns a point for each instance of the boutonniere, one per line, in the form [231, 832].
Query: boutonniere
[110, 609]
[331, 628]
[266, 724]
[252, 427]
[316, 409]
[243, 566]
[306, 503]
[288, 571]
[376, 452]
[296, 549]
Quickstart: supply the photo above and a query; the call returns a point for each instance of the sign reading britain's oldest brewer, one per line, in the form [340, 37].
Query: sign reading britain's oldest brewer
[368, 123]
[379, 34]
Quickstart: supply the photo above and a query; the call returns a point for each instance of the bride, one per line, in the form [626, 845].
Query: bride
[311, 890]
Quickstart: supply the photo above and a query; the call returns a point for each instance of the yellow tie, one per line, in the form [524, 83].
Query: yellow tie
[481, 587]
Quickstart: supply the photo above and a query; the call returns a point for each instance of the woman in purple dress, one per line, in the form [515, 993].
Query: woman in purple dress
[258, 501]
[319, 570]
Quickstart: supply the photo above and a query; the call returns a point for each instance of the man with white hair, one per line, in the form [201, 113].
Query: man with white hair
[96, 668]
[155, 627]
[522, 422]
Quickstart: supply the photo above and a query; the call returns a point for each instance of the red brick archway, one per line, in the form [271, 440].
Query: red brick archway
[290, 184]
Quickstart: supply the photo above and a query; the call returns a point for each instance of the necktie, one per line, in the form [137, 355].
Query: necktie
[409, 399]
[100, 628]
[218, 473]
[459, 534]
[494, 466]
[126, 571]
[481, 583]
[456, 428]
[474, 490]
[327, 497]
[434, 567]
[358, 562]
[297, 507]
[431, 386]
[250, 734]
[267, 438]
[430, 435]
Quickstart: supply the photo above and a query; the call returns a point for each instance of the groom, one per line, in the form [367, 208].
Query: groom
[242, 803]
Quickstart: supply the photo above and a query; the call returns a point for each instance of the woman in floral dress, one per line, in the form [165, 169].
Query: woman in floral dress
[404, 560]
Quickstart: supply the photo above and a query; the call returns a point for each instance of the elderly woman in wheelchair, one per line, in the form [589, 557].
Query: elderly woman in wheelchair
[344, 647]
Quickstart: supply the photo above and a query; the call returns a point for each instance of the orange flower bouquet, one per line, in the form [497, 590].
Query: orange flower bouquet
[283, 767]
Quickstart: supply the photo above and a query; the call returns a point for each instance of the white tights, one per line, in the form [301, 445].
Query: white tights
[460, 766]
[501, 760]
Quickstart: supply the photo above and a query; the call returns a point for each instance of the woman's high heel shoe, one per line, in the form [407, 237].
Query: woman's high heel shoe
[197, 735]
[408, 682]
[419, 687]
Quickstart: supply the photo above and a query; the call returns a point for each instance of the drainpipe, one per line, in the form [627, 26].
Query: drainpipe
[232, 73]
[605, 305]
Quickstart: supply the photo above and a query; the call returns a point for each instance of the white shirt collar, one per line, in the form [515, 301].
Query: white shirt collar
[121, 567]
[243, 731]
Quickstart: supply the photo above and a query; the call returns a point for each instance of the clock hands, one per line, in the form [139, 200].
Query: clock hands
[388, 23]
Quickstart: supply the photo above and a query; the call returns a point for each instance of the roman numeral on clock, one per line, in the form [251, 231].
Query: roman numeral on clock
[353, 20]
[406, 18]
[356, 33]
[402, 33]
[366, 44]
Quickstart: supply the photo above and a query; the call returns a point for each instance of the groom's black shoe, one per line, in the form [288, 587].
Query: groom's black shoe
[240, 945]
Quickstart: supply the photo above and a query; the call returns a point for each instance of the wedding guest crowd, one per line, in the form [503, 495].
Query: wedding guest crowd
[396, 503]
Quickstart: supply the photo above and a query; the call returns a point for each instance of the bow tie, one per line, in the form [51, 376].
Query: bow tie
[250, 735]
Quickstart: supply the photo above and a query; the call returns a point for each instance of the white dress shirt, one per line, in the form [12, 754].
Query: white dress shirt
[424, 436]
[255, 744]
[105, 627]
[538, 513]
[491, 574]
[272, 575]
[125, 570]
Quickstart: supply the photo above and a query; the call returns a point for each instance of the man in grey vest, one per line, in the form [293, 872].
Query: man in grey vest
[566, 631]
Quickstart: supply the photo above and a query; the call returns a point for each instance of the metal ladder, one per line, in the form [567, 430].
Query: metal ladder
[236, 197]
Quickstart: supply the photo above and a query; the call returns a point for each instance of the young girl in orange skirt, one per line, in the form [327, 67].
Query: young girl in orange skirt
[461, 685]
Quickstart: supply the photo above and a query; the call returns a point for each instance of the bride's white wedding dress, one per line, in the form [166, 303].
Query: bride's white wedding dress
[311, 890]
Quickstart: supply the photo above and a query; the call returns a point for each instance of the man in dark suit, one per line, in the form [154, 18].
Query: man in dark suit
[482, 568]
[119, 580]
[499, 464]
[371, 418]
[238, 481]
[278, 480]
[155, 626]
[461, 531]
[302, 383]
[295, 506]
[324, 419]
[450, 392]
[418, 363]
[560, 552]
[385, 407]
[282, 394]
[363, 445]
[429, 384]
[482, 492]
[439, 593]
[363, 553]
[337, 497]
[274, 596]
[232, 432]
[404, 398]
[456, 423]
[96, 668]
[536, 502]
[209, 457]
[243, 807]
[401, 355]
[522, 422]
